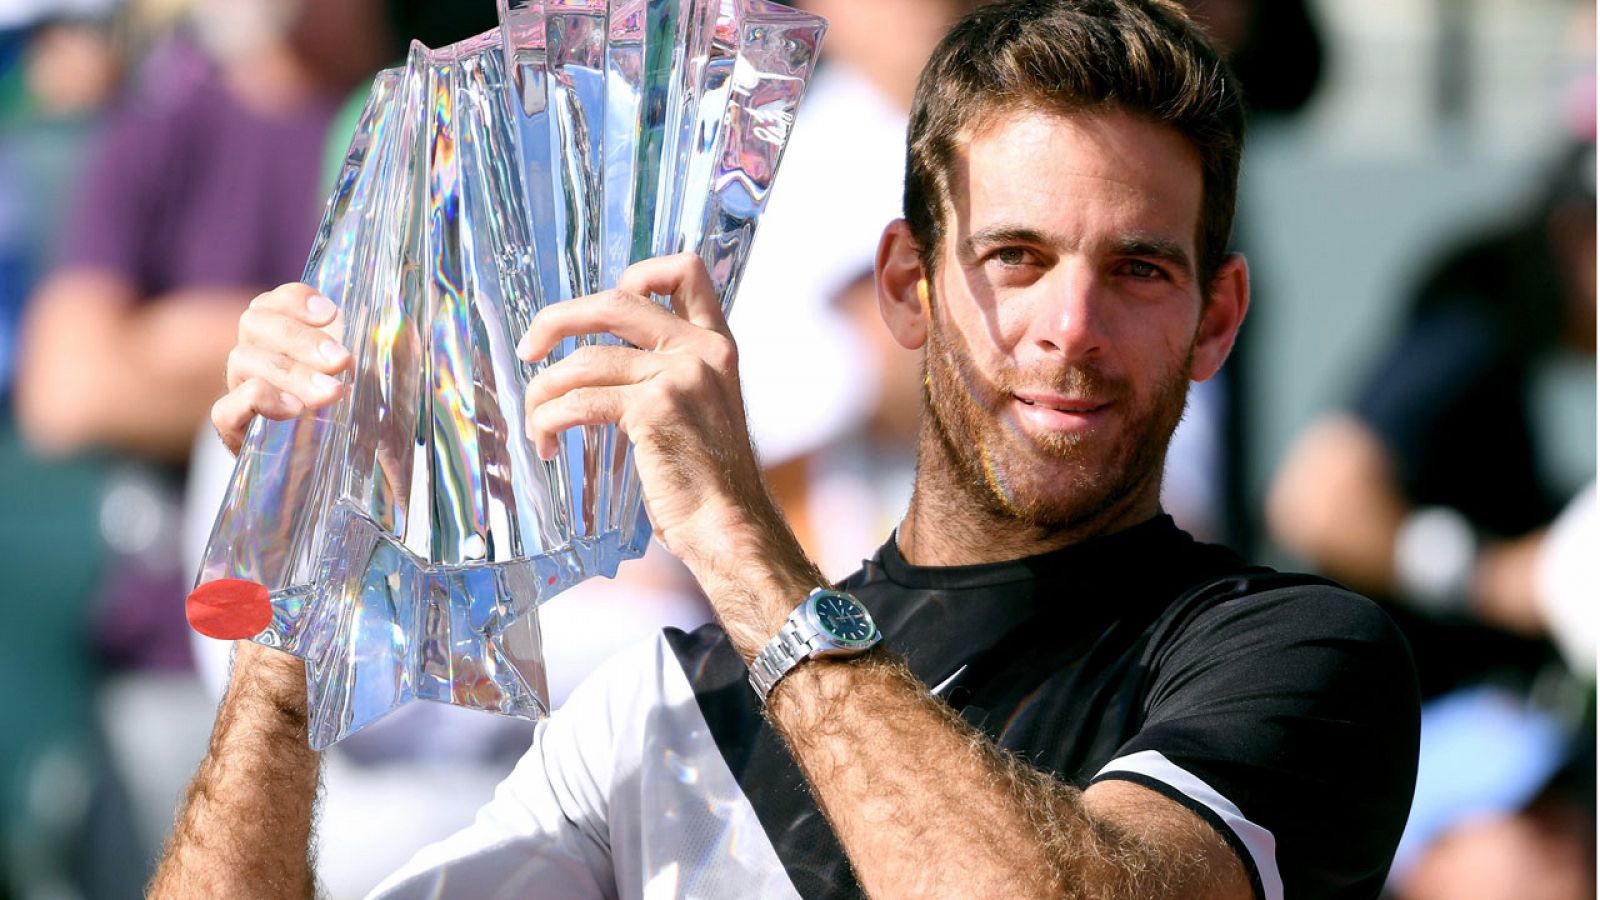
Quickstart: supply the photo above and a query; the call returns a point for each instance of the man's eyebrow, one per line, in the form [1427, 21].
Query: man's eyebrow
[1000, 234]
[1151, 247]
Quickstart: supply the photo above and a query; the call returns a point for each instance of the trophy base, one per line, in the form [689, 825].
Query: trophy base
[378, 627]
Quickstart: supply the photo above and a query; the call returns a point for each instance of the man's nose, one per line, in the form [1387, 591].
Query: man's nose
[1070, 319]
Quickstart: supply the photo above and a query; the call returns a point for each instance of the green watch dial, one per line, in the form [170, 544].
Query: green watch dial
[844, 619]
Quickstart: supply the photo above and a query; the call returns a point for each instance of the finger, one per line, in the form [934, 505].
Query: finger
[582, 406]
[594, 366]
[683, 278]
[631, 317]
[233, 412]
[279, 333]
[310, 386]
[300, 301]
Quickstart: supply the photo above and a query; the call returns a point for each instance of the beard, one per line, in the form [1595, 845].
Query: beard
[1054, 481]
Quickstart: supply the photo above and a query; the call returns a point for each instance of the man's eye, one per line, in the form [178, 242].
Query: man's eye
[1140, 269]
[1012, 256]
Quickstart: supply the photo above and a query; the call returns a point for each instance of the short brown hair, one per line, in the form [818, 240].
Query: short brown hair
[1142, 57]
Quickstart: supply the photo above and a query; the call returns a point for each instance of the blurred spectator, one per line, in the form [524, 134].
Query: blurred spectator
[1434, 488]
[62, 72]
[203, 189]
[200, 190]
[1438, 490]
[1273, 46]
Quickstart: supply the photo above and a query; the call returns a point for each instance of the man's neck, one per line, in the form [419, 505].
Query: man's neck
[949, 523]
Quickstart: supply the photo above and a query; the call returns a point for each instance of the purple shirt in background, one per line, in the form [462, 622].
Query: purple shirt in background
[186, 188]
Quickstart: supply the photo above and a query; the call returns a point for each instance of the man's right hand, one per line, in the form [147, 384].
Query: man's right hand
[285, 362]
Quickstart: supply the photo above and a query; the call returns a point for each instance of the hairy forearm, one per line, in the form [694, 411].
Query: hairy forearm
[923, 804]
[245, 826]
[926, 806]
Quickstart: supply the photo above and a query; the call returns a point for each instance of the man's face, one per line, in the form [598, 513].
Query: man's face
[1065, 310]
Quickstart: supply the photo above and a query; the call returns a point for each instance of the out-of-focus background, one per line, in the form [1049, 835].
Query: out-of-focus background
[1411, 410]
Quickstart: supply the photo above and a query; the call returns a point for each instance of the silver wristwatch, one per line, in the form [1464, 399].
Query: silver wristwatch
[828, 623]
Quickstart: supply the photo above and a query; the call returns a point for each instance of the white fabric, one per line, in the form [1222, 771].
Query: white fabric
[623, 793]
[807, 377]
[1257, 841]
[1568, 574]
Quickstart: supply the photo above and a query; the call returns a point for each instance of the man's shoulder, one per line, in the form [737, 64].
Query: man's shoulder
[1262, 613]
[1260, 591]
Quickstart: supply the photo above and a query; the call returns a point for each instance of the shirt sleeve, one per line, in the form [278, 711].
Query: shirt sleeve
[1288, 719]
[546, 831]
[1416, 390]
[118, 199]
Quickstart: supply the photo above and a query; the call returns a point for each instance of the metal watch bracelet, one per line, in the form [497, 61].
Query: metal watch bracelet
[780, 655]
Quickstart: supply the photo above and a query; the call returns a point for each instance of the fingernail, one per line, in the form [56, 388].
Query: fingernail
[523, 348]
[332, 351]
[324, 384]
[320, 306]
[290, 401]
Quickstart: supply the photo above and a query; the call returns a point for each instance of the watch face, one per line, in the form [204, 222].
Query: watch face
[844, 619]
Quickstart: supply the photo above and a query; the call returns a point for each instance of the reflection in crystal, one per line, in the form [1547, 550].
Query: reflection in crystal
[407, 533]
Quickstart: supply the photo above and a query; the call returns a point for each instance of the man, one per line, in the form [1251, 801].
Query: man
[1114, 710]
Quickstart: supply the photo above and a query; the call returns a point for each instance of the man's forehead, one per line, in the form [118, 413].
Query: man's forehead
[1040, 166]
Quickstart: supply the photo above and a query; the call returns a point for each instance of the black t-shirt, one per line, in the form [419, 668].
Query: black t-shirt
[1281, 708]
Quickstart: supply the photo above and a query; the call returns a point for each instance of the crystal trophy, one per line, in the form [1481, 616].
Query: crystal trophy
[401, 540]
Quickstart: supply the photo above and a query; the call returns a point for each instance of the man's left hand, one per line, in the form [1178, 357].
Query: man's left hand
[675, 393]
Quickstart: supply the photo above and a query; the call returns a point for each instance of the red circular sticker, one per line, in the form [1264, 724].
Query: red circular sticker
[229, 609]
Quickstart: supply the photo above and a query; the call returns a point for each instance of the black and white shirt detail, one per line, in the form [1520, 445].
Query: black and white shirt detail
[1282, 709]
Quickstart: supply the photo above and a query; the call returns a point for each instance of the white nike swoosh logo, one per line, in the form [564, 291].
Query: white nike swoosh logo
[948, 683]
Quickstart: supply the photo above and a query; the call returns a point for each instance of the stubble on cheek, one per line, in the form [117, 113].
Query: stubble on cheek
[1074, 478]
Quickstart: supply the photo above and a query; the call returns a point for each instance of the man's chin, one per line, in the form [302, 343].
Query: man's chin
[1069, 486]
[1059, 495]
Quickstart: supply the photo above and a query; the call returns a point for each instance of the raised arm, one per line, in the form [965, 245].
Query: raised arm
[245, 826]
[926, 806]
[244, 829]
[923, 805]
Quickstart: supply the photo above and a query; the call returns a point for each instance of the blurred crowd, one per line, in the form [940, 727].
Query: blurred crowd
[162, 161]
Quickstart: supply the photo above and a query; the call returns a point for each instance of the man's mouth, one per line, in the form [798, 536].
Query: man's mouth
[1061, 404]
[1044, 413]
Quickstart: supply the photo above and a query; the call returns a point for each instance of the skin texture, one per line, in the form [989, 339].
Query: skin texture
[1072, 310]
[245, 827]
[1036, 294]
[98, 369]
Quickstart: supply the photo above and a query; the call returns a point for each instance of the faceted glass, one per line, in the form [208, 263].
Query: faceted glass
[405, 536]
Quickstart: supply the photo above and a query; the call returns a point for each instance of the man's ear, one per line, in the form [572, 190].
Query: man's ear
[1220, 317]
[902, 288]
